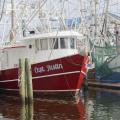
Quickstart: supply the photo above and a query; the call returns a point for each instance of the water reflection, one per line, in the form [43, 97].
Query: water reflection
[26, 112]
[94, 105]
[58, 110]
[9, 108]
[103, 105]
[44, 109]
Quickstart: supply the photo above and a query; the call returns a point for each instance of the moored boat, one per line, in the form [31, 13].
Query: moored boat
[57, 64]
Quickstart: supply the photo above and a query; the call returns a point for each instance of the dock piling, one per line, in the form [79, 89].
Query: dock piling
[29, 87]
[26, 90]
[22, 89]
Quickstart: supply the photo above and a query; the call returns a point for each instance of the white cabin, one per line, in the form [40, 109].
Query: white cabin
[39, 48]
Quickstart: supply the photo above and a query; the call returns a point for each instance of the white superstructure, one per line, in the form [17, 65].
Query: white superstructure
[42, 47]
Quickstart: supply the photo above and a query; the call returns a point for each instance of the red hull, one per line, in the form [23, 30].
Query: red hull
[59, 75]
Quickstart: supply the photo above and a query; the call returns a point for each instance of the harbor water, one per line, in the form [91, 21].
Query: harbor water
[93, 105]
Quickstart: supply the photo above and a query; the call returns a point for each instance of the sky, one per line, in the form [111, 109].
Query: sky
[70, 9]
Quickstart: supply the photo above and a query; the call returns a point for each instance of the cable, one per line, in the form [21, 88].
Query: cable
[53, 46]
[2, 10]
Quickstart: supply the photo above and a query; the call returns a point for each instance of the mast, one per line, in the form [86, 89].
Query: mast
[81, 14]
[106, 14]
[12, 33]
[94, 21]
[93, 26]
[2, 9]
[40, 9]
[104, 28]
[95, 17]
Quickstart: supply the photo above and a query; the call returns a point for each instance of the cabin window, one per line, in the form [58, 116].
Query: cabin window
[30, 46]
[63, 43]
[43, 44]
[72, 43]
[54, 43]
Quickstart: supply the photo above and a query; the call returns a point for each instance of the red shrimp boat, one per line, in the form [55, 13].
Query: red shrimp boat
[57, 64]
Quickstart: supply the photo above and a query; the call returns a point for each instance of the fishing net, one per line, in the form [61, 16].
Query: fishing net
[102, 56]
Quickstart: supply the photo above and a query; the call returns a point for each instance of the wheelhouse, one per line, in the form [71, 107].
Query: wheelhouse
[54, 40]
[55, 43]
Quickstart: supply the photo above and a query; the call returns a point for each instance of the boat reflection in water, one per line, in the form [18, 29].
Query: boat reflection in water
[42, 109]
[95, 105]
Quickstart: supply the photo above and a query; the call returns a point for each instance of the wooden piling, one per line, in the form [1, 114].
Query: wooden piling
[26, 90]
[22, 79]
[29, 87]
[23, 112]
[26, 112]
[30, 111]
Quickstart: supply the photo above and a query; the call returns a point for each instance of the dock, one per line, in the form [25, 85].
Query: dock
[114, 86]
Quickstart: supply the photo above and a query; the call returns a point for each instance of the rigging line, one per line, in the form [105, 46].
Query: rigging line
[114, 4]
[55, 39]
[53, 45]
[60, 17]
[27, 23]
[82, 15]
[31, 17]
[72, 62]
[62, 8]
[2, 10]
